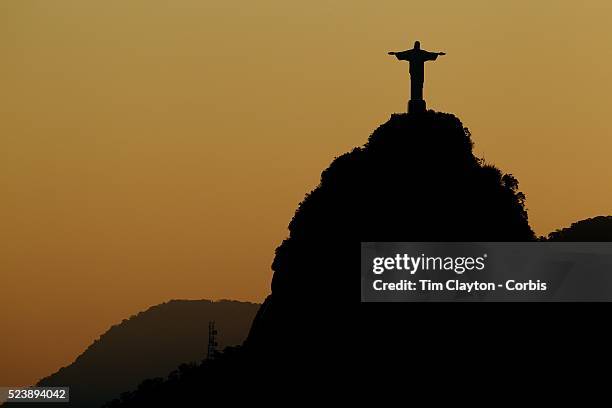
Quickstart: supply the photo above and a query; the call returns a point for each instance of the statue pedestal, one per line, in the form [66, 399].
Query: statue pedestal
[416, 106]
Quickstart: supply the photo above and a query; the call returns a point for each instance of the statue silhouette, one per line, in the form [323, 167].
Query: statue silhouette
[416, 57]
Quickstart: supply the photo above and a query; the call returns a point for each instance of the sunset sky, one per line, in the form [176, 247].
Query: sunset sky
[157, 149]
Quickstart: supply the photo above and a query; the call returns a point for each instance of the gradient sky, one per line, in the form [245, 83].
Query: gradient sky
[152, 149]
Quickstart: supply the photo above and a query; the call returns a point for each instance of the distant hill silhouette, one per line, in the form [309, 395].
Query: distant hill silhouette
[416, 179]
[150, 344]
[596, 229]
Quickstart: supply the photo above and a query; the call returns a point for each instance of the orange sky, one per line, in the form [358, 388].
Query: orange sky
[156, 149]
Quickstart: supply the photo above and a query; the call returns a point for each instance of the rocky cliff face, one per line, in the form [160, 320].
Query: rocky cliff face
[416, 179]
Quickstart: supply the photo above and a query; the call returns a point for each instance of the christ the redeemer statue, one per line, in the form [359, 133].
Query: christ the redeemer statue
[417, 58]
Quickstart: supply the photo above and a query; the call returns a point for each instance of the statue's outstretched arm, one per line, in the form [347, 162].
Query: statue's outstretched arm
[441, 53]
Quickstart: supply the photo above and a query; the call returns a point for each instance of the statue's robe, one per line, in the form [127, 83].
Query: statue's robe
[416, 58]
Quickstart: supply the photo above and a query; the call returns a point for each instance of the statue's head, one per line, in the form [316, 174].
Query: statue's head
[417, 45]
